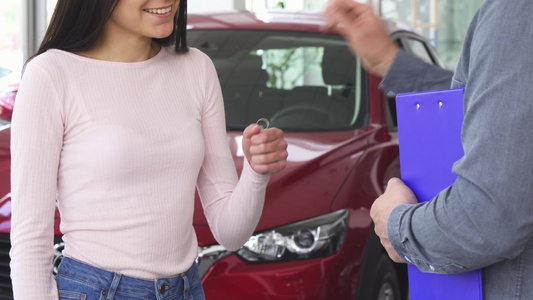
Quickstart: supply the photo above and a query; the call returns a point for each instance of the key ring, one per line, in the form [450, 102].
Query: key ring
[263, 123]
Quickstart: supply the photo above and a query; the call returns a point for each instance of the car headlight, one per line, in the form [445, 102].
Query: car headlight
[317, 237]
[59, 246]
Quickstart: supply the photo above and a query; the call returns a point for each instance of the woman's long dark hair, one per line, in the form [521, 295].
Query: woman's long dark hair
[76, 25]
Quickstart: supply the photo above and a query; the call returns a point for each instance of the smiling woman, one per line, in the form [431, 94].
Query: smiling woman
[111, 23]
[126, 123]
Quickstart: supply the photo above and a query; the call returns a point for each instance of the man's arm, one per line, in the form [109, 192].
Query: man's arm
[409, 73]
[379, 54]
[485, 216]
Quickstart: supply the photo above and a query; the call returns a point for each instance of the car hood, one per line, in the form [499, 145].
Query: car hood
[317, 166]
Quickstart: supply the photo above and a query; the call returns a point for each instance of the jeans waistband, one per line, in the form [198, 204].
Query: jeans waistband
[125, 284]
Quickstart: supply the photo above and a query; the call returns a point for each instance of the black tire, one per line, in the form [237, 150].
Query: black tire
[386, 285]
[379, 277]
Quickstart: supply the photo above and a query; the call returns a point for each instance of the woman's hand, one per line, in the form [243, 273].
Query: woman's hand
[266, 150]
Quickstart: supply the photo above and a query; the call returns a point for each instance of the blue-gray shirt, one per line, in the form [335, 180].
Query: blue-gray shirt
[485, 219]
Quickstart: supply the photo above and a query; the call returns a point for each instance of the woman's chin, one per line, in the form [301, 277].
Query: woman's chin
[162, 35]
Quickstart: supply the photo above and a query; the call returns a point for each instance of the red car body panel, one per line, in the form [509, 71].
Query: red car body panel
[7, 101]
[5, 180]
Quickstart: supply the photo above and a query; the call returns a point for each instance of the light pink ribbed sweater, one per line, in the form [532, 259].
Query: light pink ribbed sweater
[122, 146]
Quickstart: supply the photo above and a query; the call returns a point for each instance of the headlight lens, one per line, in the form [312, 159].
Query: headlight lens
[59, 246]
[317, 237]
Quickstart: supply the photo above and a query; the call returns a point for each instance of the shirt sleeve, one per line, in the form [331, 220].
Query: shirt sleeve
[232, 206]
[36, 142]
[486, 215]
[409, 73]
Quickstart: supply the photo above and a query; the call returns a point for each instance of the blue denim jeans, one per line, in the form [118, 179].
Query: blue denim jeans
[77, 280]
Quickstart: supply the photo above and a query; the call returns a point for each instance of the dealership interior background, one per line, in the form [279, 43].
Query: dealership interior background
[443, 22]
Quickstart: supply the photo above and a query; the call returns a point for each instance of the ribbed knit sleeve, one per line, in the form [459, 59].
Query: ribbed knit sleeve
[232, 209]
[36, 141]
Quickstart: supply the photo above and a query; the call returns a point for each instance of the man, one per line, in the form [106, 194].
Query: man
[485, 219]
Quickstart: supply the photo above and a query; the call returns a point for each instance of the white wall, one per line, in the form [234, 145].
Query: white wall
[201, 6]
[258, 5]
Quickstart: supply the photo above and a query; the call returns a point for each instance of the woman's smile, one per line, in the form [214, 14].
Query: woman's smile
[159, 11]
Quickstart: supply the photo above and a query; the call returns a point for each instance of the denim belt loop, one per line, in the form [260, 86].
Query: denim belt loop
[114, 286]
[186, 286]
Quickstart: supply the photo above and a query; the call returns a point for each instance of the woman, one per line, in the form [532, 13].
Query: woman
[120, 127]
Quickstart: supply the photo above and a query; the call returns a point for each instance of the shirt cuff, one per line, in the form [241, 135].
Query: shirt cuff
[396, 238]
[261, 180]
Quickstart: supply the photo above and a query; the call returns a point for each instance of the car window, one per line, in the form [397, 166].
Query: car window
[299, 81]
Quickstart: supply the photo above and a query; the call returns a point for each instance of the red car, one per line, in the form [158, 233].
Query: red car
[315, 239]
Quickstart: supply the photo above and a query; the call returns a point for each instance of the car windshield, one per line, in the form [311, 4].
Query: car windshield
[300, 81]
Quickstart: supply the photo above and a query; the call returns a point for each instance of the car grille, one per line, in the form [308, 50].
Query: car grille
[6, 291]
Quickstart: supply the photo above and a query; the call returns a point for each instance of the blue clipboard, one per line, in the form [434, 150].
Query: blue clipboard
[429, 134]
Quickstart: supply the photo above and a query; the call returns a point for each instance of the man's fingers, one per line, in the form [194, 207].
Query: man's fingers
[346, 12]
[394, 256]
[397, 187]
[390, 250]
